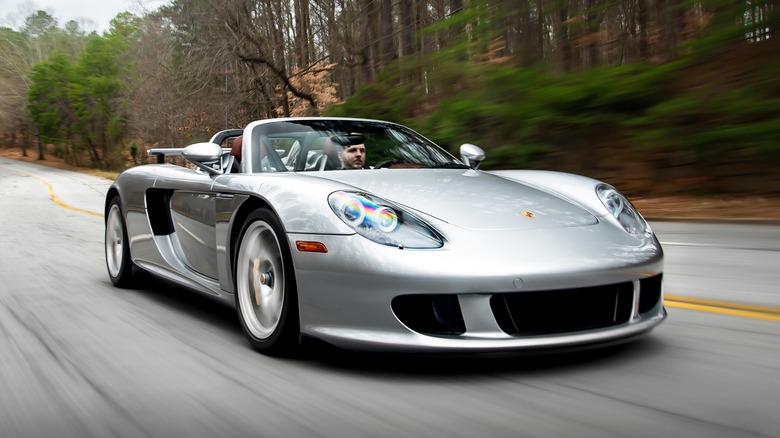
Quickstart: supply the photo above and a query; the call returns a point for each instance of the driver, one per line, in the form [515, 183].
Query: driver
[354, 156]
[343, 155]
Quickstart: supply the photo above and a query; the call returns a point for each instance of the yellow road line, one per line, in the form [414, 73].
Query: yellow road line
[723, 307]
[53, 195]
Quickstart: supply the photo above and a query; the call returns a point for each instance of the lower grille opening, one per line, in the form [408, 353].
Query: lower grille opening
[430, 314]
[650, 293]
[567, 310]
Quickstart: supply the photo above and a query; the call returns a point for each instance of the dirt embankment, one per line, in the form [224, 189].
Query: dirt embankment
[748, 208]
[52, 161]
[673, 207]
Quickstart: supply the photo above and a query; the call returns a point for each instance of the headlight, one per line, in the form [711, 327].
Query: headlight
[380, 221]
[622, 210]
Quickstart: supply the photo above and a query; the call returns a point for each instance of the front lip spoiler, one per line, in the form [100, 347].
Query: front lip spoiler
[412, 342]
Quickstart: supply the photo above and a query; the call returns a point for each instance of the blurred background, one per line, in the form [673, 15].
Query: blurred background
[675, 102]
[658, 97]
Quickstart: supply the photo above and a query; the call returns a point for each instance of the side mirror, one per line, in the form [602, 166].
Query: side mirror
[207, 156]
[471, 155]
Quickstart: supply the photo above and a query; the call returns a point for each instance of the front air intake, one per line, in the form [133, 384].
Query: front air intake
[566, 310]
[430, 314]
[650, 293]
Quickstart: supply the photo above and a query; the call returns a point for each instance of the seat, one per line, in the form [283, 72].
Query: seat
[291, 159]
[332, 160]
[235, 151]
[235, 147]
[329, 158]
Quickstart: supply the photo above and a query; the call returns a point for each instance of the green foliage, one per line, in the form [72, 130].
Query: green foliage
[521, 115]
[39, 23]
[385, 99]
[707, 123]
[518, 115]
[134, 152]
[10, 40]
[83, 103]
[49, 98]
[707, 100]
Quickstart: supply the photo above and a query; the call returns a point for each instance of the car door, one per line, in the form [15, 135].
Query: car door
[192, 210]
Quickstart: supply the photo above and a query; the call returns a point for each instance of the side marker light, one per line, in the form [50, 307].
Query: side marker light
[304, 246]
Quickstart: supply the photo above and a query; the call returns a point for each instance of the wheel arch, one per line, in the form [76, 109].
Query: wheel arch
[110, 194]
[238, 221]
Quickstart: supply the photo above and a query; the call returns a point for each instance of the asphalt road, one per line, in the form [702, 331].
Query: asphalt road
[80, 358]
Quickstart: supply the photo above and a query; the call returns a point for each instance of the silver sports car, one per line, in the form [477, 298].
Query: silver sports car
[366, 235]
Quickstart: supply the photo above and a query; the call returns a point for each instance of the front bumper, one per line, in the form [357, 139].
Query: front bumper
[354, 296]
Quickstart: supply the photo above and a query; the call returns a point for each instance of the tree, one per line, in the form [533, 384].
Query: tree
[39, 28]
[83, 103]
[14, 68]
[103, 74]
[49, 100]
[204, 65]
[19, 51]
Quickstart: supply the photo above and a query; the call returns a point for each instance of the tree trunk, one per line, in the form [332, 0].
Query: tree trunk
[371, 46]
[563, 34]
[386, 36]
[38, 145]
[302, 33]
[25, 140]
[641, 19]
[527, 47]
[406, 21]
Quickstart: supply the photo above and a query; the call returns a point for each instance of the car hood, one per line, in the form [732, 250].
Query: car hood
[468, 198]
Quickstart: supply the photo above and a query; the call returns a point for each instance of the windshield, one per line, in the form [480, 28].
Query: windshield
[336, 144]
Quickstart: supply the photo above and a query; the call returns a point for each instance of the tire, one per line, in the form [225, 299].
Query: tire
[266, 298]
[118, 262]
